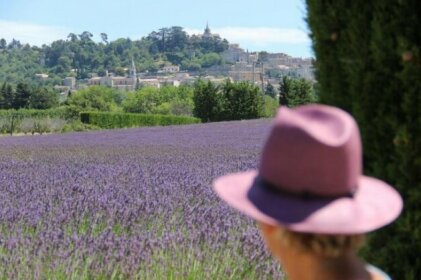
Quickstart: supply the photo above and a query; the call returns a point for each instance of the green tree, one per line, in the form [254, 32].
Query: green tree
[207, 101]
[284, 91]
[303, 92]
[3, 44]
[14, 44]
[8, 96]
[72, 37]
[177, 39]
[368, 63]
[210, 59]
[94, 98]
[64, 64]
[270, 106]
[182, 107]
[86, 36]
[42, 98]
[3, 100]
[263, 57]
[120, 71]
[104, 38]
[165, 100]
[294, 92]
[241, 100]
[144, 100]
[21, 96]
[270, 90]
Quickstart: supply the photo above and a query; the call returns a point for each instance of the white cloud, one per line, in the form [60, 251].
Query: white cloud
[259, 35]
[33, 34]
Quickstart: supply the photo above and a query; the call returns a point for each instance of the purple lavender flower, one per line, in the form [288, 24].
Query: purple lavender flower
[132, 202]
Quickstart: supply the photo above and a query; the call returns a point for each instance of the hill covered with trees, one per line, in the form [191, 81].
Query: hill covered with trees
[79, 55]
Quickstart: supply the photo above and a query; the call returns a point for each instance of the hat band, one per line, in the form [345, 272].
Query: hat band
[303, 195]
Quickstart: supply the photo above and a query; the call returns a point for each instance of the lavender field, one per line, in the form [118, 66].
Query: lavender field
[129, 204]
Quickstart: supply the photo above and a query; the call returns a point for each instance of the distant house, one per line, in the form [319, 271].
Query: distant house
[171, 69]
[95, 81]
[169, 82]
[242, 71]
[150, 82]
[70, 82]
[119, 82]
[236, 54]
[41, 76]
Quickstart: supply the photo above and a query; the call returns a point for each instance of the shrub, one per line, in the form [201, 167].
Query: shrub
[43, 125]
[4, 126]
[78, 126]
[270, 106]
[27, 125]
[121, 120]
[33, 121]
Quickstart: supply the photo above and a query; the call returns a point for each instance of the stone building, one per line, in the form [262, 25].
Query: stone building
[124, 83]
[243, 71]
[235, 54]
[171, 69]
[70, 82]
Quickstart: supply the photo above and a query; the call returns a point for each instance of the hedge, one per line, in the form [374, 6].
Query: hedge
[368, 62]
[122, 120]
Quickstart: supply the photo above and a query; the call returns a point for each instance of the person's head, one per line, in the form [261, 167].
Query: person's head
[281, 240]
[309, 194]
[304, 254]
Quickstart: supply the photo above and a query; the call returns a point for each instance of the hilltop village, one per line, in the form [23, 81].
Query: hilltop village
[238, 64]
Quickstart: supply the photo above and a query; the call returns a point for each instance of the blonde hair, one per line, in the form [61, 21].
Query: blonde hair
[326, 245]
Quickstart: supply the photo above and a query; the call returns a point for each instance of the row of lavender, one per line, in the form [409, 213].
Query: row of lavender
[131, 203]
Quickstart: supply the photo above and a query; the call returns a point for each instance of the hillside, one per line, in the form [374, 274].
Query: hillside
[79, 56]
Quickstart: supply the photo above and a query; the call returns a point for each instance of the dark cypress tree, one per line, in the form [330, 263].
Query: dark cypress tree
[8, 96]
[42, 98]
[22, 95]
[368, 62]
[283, 91]
[2, 93]
[270, 90]
[206, 101]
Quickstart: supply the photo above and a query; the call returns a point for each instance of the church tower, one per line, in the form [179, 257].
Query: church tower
[207, 32]
[133, 74]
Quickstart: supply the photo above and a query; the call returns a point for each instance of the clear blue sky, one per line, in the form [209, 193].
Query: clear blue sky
[271, 25]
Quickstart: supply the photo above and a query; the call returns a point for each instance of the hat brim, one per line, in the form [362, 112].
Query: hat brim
[374, 205]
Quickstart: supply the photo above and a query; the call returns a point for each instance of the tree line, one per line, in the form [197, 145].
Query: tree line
[24, 96]
[205, 100]
[243, 100]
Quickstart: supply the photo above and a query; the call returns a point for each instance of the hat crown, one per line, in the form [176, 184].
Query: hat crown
[313, 149]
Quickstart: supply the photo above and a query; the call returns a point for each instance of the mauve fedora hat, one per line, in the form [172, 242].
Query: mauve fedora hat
[310, 177]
